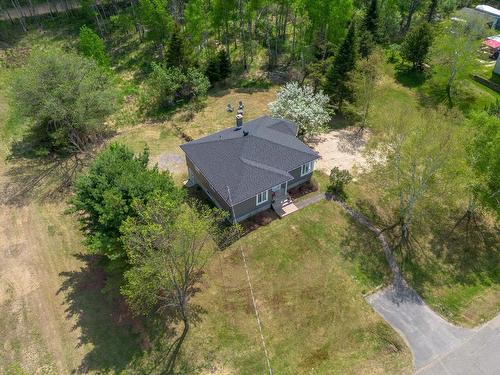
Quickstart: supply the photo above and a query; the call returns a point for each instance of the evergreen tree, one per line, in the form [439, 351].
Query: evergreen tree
[116, 182]
[91, 45]
[212, 70]
[338, 74]
[371, 21]
[224, 64]
[366, 43]
[219, 67]
[416, 45]
[176, 53]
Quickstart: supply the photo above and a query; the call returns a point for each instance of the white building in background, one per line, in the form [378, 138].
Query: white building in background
[492, 12]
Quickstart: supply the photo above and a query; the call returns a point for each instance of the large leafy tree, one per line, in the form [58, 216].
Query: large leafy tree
[155, 23]
[484, 155]
[328, 18]
[454, 53]
[417, 159]
[168, 247]
[104, 195]
[92, 45]
[69, 98]
[363, 83]
[417, 44]
[338, 74]
[309, 110]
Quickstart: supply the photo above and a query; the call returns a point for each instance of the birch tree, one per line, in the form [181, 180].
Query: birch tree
[415, 162]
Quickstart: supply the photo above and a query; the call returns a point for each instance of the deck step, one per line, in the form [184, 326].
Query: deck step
[283, 210]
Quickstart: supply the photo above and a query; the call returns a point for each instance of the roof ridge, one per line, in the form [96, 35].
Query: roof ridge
[260, 165]
[283, 145]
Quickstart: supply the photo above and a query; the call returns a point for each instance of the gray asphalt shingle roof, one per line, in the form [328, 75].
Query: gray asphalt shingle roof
[249, 164]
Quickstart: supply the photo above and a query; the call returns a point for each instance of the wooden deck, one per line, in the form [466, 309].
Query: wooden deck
[284, 206]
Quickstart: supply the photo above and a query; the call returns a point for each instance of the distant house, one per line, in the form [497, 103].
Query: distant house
[496, 70]
[484, 13]
[250, 167]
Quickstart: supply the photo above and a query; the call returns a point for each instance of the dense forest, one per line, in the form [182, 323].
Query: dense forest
[292, 33]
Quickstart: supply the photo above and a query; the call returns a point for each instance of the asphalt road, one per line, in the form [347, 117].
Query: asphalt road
[438, 347]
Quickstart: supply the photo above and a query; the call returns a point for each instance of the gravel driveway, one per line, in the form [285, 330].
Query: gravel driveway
[438, 346]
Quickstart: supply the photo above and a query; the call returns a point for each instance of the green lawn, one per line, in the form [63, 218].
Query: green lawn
[309, 272]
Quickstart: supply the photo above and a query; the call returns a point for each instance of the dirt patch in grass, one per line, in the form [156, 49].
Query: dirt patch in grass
[17, 282]
[174, 163]
[340, 148]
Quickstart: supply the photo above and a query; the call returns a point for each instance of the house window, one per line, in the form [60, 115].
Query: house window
[262, 197]
[306, 168]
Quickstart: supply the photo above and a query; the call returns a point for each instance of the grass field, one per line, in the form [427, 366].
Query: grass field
[309, 272]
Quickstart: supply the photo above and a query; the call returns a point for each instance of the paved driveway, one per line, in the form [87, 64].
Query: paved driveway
[438, 347]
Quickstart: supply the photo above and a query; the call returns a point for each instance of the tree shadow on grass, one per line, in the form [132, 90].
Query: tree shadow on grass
[409, 77]
[455, 259]
[46, 177]
[103, 323]
[363, 250]
[118, 340]
[471, 250]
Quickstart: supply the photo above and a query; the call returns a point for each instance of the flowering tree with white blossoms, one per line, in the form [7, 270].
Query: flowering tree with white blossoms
[304, 107]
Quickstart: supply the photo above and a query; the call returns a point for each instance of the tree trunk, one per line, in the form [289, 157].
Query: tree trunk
[22, 21]
[411, 11]
[175, 353]
[448, 91]
[432, 10]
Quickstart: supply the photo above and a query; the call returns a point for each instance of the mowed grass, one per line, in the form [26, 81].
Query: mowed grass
[309, 272]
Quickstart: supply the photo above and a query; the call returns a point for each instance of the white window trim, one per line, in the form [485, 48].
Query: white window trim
[263, 200]
[306, 168]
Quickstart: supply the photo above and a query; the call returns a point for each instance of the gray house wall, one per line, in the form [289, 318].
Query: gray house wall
[205, 185]
[297, 180]
[249, 207]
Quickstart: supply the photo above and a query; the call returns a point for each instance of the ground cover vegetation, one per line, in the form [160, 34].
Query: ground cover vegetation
[96, 82]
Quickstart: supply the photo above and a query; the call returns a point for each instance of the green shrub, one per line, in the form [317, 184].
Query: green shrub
[166, 87]
[339, 178]
[69, 98]
[91, 45]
